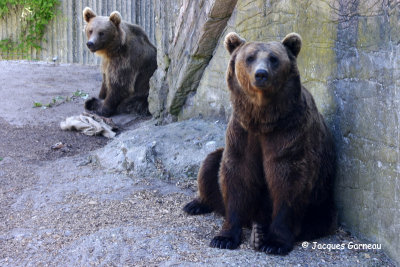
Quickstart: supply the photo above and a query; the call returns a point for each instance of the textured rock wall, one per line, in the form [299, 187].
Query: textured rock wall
[195, 31]
[366, 89]
[350, 63]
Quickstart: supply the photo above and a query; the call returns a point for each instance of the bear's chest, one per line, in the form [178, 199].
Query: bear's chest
[279, 147]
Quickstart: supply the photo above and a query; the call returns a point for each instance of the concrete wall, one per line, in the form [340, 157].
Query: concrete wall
[64, 37]
[350, 62]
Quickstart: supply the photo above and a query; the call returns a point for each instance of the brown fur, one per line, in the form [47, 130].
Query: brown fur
[128, 62]
[276, 171]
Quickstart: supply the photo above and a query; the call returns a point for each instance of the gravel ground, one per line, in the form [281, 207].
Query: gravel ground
[59, 208]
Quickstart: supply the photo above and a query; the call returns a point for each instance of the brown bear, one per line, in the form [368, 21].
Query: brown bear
[128, 62]
[276, 171]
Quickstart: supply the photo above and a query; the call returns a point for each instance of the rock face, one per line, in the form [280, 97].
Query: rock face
[191, 41]
[350, 63]
[271, 21]
[366, 121]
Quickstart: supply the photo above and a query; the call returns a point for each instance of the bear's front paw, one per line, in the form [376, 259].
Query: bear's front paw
[276, 246]
[92, 104]
[224, 242]
[105, 112]
[195, 207]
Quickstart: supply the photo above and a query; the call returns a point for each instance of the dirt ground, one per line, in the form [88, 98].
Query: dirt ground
[58, 208]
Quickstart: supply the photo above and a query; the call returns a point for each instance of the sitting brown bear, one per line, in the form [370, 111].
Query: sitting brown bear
[277, 169]
[128, 62]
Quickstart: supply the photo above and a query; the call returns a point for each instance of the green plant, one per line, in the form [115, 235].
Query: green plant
[36, 15]
[37, 105]
[79, 93]
[58, 100]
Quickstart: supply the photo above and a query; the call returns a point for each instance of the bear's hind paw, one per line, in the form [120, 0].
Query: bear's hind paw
[258, 236]
[195, 207]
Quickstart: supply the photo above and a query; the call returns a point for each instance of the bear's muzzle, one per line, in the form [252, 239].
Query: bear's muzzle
[261, 78]
[90, 45]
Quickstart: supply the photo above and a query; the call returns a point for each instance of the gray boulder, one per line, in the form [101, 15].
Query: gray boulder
[172, 151]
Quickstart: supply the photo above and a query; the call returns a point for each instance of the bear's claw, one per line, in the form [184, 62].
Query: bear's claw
[276, 245]
[258, 236]
[224, 242]
[276, 248]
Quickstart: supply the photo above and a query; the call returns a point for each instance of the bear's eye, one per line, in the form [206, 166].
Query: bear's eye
[273, 59]
[250, 59]
[90, 31]
[101, 33]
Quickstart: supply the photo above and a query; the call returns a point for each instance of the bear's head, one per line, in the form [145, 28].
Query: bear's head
[262, 70]
[103, 33]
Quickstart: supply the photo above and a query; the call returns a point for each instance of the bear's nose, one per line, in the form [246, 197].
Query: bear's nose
[261, 75]
[90, 45]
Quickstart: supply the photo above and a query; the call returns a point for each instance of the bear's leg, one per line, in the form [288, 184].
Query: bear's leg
[231, 233]
[280, 238]
[137, 104]
[319, 219]
[210, 198]
[290, 194]
[320, 216]
[112, 101]
[238, 206]
[103, 90]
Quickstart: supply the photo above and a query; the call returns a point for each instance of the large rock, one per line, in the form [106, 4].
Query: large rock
[166, 12]
[173, 151]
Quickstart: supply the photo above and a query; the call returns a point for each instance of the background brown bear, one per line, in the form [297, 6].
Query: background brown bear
[277, 169]
[128, 62]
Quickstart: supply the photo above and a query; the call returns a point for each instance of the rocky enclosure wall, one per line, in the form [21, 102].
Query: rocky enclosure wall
[349, 61]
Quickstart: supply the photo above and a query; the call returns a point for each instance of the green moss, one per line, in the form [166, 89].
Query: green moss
[38, 14]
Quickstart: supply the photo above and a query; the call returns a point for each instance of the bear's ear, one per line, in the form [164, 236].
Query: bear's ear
[88, 14]
[233, 41]
[292, 41]
[115, 18]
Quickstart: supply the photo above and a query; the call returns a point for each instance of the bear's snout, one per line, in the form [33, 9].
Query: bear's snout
[90, 45]
[261, 76]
